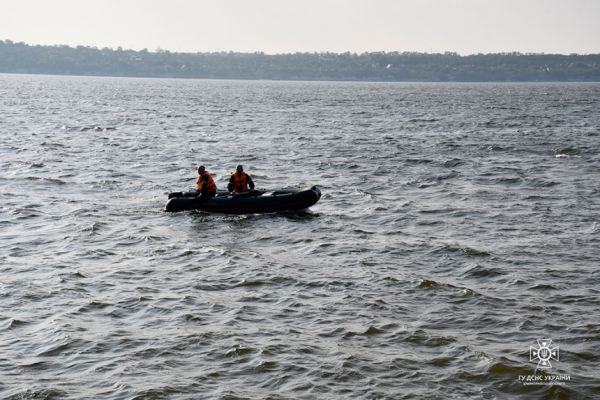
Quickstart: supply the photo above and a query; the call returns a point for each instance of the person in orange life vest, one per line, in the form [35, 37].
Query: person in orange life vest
[239, 181]
[205, 184]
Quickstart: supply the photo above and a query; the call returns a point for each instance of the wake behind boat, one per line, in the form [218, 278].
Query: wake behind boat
[253, 202]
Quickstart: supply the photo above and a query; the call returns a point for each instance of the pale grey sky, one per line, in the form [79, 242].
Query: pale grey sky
[283, 26]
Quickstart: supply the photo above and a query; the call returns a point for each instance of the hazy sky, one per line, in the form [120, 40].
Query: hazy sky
[282, 26]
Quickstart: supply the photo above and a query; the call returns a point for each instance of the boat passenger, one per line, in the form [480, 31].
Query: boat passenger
[239, 181]
[205, 184]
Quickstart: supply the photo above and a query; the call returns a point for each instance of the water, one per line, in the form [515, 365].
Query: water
[459, 223]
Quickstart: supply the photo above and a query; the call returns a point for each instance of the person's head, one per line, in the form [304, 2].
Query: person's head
[201, 169]
[239, 169]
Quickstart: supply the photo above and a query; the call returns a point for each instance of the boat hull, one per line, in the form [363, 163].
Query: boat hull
[254, 202]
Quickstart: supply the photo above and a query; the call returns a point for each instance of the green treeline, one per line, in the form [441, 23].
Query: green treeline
[375, 66]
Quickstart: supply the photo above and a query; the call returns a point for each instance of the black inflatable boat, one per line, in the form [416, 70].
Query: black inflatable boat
[255, 201]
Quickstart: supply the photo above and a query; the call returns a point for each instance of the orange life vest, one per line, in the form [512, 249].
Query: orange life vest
[240, 182]
[210, 183]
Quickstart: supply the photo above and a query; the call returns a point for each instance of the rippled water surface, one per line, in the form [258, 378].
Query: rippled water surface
[459, 224]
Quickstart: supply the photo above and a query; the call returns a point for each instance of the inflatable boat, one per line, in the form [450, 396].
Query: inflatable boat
[253, 202]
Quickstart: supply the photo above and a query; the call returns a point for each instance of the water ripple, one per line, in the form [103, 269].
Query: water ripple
[458, 225]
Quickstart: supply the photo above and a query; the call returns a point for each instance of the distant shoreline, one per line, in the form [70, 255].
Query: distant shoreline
[21, 58]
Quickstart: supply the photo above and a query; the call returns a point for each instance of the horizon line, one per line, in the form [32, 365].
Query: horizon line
[160, 50]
